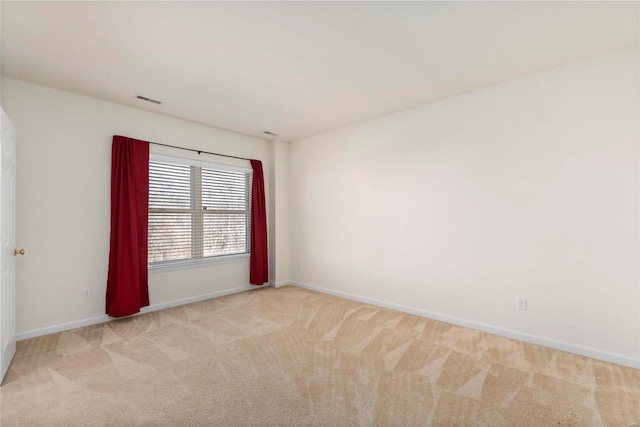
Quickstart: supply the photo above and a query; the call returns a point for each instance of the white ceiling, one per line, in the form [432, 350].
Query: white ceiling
[298, 68]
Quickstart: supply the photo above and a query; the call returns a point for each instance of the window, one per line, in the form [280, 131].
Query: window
[197, 210]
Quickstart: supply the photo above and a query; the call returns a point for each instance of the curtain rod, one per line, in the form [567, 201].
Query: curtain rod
[199, 151]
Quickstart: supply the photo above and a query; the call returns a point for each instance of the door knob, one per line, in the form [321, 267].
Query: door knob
[18, 252]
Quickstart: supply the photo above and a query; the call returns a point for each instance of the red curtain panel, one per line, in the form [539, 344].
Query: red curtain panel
[259, 259]
[127, 281]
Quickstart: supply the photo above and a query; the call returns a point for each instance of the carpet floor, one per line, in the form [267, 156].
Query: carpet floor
[293, 357]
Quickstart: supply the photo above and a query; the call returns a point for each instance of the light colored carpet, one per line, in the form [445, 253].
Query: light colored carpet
[292, 357]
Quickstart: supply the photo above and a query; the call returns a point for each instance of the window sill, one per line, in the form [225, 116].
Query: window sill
[197, 263]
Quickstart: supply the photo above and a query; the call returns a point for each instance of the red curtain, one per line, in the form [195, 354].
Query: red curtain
[127, 281]
[259, 260]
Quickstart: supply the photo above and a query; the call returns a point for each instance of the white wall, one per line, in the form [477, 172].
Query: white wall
[63, 204]
[454, 209]
[280, 274]
[279, 220]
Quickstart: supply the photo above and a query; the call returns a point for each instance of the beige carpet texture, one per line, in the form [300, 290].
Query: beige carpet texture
[293, 357]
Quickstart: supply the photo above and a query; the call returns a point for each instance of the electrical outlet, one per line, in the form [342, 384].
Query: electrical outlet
[86, 293]
[521, 303]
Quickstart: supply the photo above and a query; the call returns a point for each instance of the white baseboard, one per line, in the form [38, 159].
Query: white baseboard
[104, 318]
[507, 333]
[62, 327]
[279, 284]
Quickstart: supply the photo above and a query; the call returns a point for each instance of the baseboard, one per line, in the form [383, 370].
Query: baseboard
[279, 284]
[62, 327]
[104, 318]
[507, 333]
[183, 301]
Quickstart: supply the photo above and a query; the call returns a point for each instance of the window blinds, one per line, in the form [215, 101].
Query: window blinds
[197, 212]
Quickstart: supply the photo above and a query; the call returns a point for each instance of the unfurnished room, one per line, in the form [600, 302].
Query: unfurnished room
[320, 213]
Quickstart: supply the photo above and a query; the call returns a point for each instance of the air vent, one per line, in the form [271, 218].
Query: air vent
[270, 133]
[144, 98]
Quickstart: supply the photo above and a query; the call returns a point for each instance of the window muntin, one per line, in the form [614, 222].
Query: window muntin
[197, 211]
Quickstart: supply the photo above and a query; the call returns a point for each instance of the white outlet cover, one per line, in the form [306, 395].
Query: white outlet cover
[521, 303]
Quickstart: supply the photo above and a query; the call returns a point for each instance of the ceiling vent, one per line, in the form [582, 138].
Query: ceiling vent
[144, 98]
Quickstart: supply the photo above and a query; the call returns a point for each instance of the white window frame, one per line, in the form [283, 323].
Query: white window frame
[183, 264]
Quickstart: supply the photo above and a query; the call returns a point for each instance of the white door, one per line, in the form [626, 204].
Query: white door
[8, 250]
